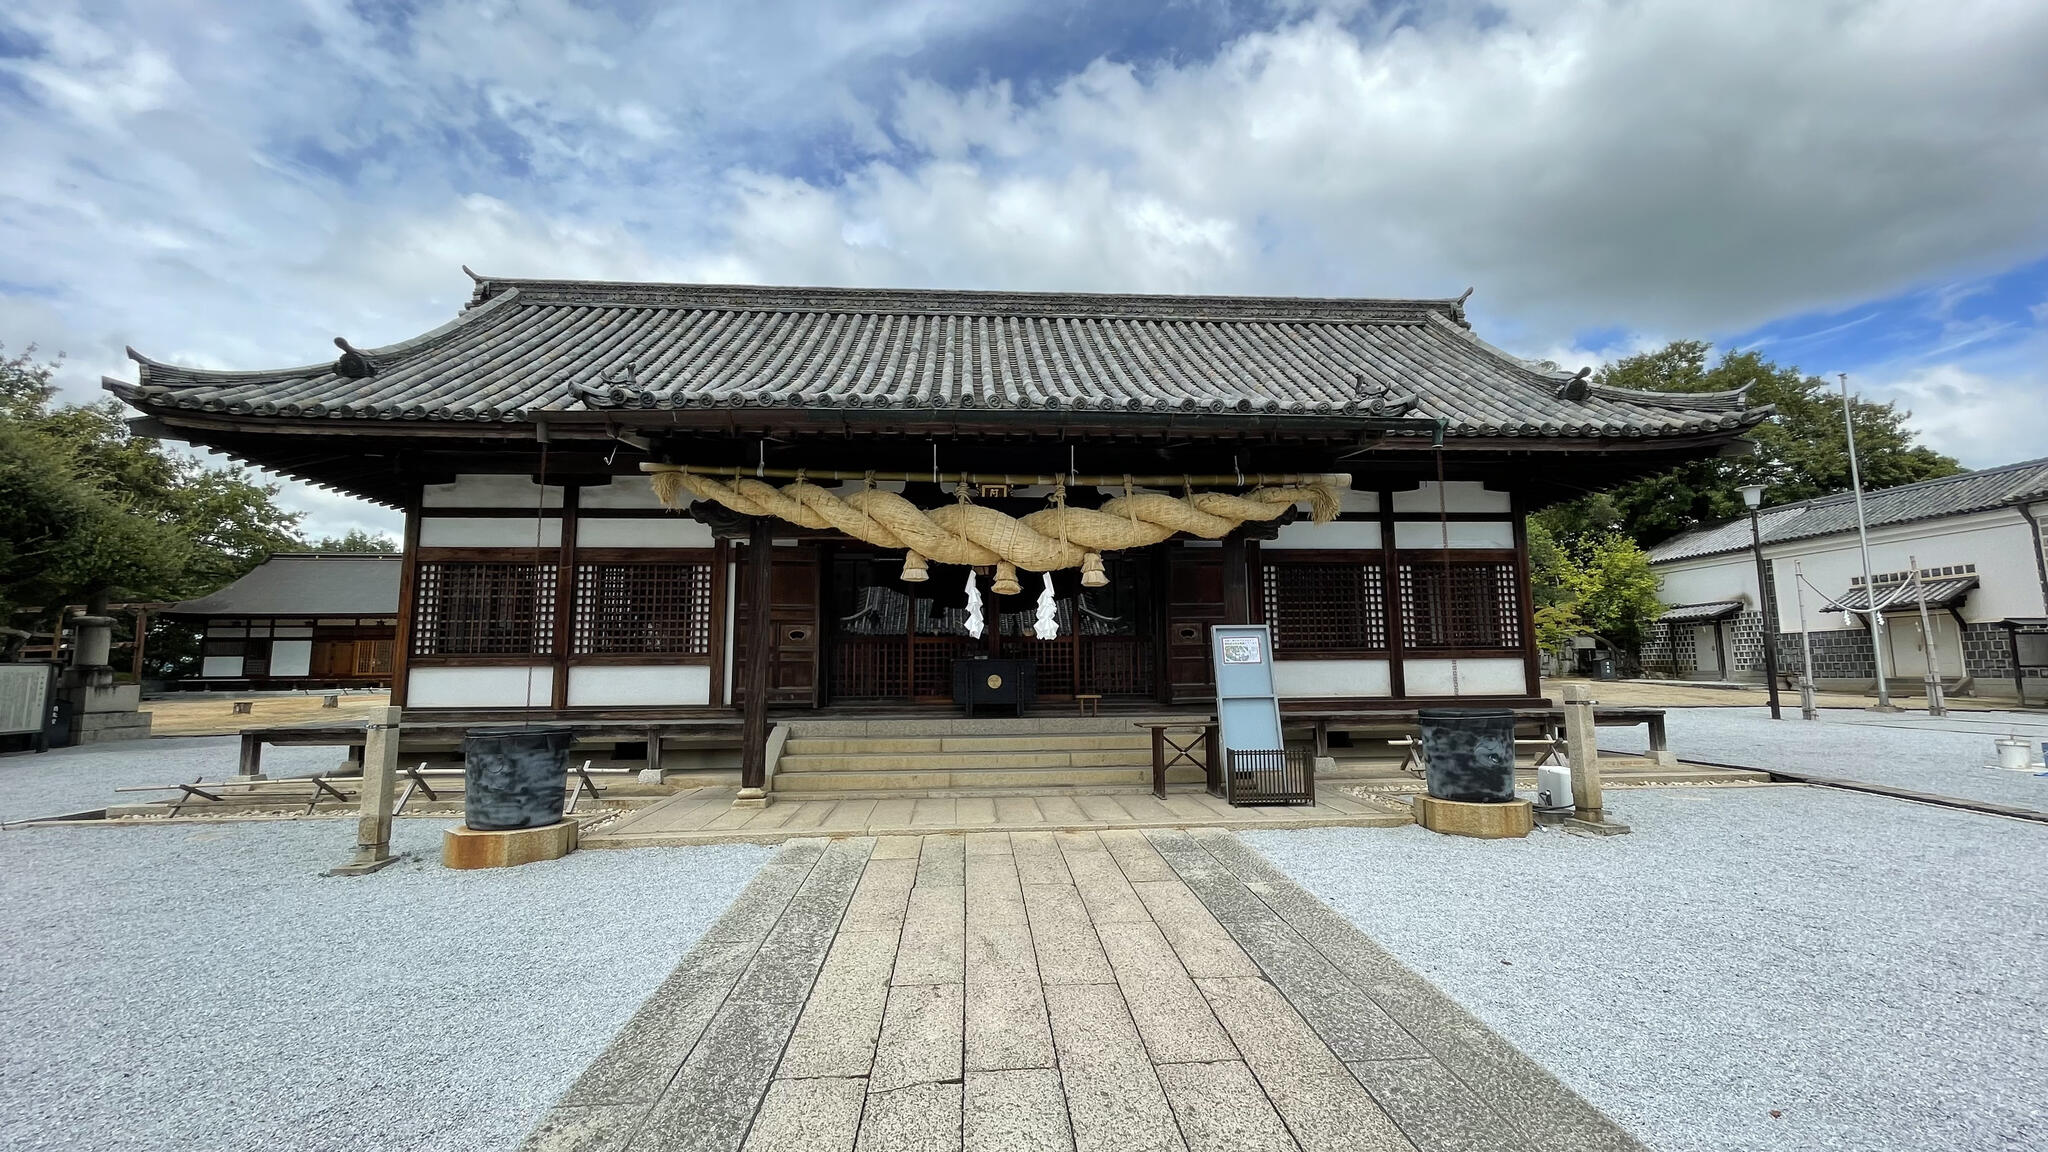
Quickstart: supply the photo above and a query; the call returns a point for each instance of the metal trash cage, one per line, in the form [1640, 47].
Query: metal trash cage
[1270, 776]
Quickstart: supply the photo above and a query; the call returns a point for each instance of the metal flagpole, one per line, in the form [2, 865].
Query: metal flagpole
[1936, 706]
[1806, 708]
[1884, 692]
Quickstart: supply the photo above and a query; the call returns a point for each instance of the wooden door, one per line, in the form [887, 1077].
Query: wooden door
[1194, 601]
[795, 639]
[332, 659]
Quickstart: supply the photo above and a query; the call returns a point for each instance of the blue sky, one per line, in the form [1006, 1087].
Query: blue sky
[1853, 187]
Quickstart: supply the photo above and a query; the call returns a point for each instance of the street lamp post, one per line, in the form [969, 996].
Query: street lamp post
[1753, 496]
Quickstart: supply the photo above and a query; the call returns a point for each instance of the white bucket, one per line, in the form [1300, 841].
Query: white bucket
[2014, 754]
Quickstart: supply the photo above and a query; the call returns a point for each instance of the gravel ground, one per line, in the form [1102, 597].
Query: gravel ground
[64, 780]
[205, 987]
[1869, 968]
[1944, 756]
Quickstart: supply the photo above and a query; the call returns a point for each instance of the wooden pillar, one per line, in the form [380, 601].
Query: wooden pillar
[565, 596]
[408, 564]
[380, 781]
[141, 640]
[1581, 751]
[760, 637]
[1525, 600]
[1390, 599]
[1237, 599]
[1159, 570]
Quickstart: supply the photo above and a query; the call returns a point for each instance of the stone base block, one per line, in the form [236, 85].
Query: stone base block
[1597, 827]
[1507, 821]
[468, 848]
[106, 727]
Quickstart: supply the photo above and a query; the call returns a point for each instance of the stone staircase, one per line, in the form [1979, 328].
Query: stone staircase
[971, 757]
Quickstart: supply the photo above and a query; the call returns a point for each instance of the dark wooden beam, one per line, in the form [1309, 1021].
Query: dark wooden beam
[565, 595]
[760, 636]
[401, 647]
[1237, 600]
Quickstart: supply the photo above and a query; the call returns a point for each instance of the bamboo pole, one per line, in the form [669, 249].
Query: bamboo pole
[1240, 480]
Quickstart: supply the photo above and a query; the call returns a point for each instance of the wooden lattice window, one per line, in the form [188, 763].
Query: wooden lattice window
[483, 608]
[1466, 604]
[373, 657]
[639, 608]
[1324, 607]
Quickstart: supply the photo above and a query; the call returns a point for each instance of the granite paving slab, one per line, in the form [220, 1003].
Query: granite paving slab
[1071, 991]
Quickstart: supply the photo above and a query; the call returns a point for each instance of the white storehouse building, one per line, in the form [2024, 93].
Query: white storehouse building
[1978, 542]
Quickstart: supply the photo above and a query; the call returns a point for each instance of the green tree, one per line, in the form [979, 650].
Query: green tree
[1802, 451]
[1596, 583]
[91, 513]
[1614, 590]
[357, 540]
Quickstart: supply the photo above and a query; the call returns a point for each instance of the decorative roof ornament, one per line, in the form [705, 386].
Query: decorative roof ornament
[1579, 387]
[354, 364]
[1458, 309]
[1373, 399]
[618, 388]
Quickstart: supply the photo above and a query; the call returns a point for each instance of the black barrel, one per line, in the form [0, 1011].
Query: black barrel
[514, 777]
[1470, 753]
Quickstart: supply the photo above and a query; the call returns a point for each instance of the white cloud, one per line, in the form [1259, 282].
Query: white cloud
[1973, 410]
[236, 187]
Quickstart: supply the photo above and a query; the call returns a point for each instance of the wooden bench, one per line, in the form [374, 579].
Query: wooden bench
[298, 736]
[1544, 727]
[710, 732]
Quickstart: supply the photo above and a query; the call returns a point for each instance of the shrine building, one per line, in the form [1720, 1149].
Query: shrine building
[673, 500]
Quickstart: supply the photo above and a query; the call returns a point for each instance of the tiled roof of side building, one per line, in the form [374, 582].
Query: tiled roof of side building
[1828, 515]
[306, 584]
[536, 346]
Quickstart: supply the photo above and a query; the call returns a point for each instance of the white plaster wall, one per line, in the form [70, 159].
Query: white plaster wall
[625, 685]
[667, 532]
[227, 630]
[1490, 676]
[1313, 678]
[622, 492]
[1996, 542]
[221, 666]
[488, 532]
[1353, 500]
[282, 630]
[1459, 496]
[1714, 578]
[490, 492]
[291, 657]
[1458, 534]
[488, 687]
[1335, 534]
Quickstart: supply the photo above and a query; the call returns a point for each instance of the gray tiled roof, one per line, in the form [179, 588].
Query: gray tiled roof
[528, 346]
[307, 584]
[1699, 613]
[1828, 515]
[1902, 595]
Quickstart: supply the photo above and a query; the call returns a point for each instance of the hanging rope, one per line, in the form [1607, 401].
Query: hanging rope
[978, 536]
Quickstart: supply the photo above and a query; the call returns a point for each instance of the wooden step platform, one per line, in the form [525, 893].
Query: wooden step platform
[707, 816]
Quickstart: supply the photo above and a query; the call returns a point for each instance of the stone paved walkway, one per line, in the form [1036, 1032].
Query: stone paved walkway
[707, 815]
[1125, 990]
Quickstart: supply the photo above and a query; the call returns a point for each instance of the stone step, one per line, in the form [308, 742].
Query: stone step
[1175, 787]
[1049, 742]
[956, 761]
[948, 781]
[1114, 725]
